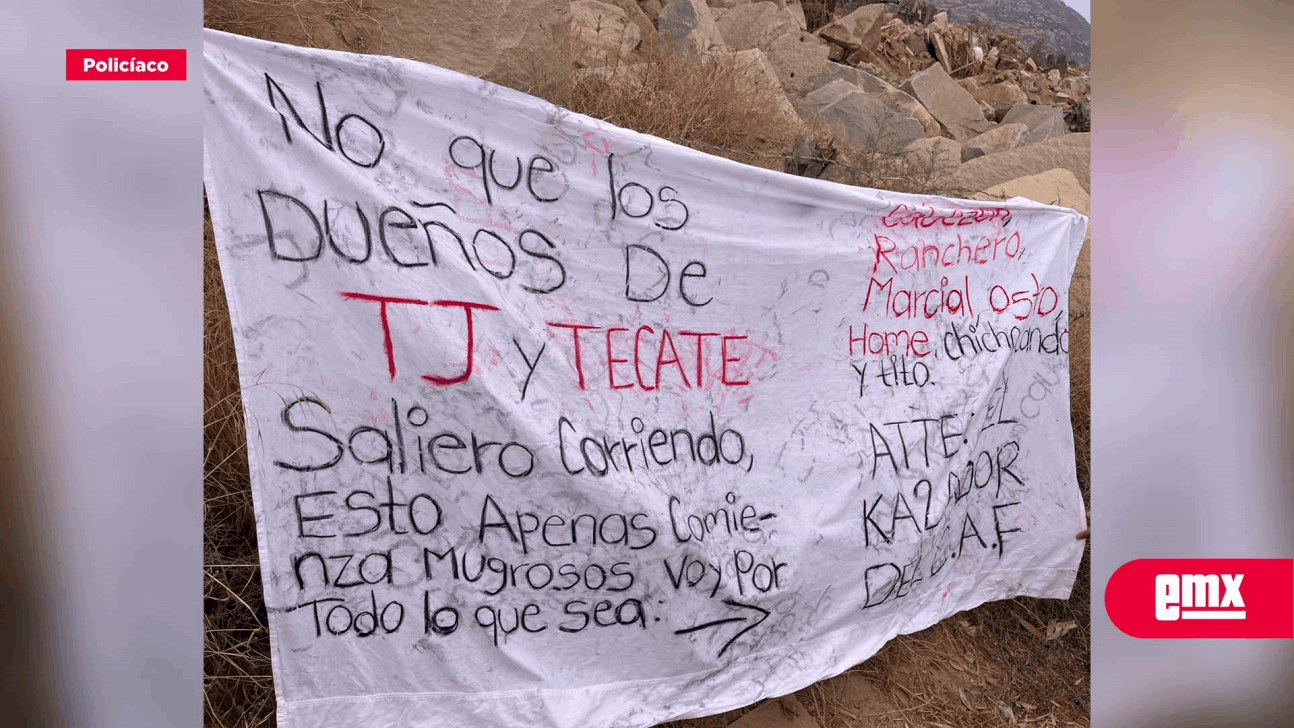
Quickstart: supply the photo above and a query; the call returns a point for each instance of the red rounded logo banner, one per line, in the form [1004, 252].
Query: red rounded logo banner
[1203, 598]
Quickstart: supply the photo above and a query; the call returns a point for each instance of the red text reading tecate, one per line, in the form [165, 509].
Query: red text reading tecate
[1203, 598]
[120, 64]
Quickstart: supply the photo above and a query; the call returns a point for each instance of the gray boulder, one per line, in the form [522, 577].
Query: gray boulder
[936, 154]
[1072, 152]
[999, 139]
[686, 25]
[874, 86]
[855, 29]
[1001, 96]
[754, 25]
[1044, 121]
[603, 32]
[956, 110]
[797, 57]
[865, 120]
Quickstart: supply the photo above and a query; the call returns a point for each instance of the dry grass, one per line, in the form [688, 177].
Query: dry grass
[710, 101]
[238, 685]
[818, 13]
[958, 674]
[875, 161]
[337, 24]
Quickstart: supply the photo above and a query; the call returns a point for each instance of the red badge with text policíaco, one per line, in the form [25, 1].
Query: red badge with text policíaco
[119, 64]
[1203, 598]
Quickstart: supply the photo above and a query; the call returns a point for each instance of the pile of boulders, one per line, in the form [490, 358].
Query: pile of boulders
[881, 82]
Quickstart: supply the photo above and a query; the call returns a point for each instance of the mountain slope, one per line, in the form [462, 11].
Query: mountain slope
[1064, 30]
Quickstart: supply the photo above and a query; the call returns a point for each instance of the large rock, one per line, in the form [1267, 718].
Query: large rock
[797, 57]
[827, 95]
[838, 71]
[1052, 187]
[855, 29]
[1000, 96]
[601, 33]
[999, 139]
[955, 109]
[1044, 122]
[635, 12]
[791, 7]
[1076, 85]
[755, 25]
[875, 86]
[1072, 152]
[796, 11]
[686, 25]
[990, 58]
[933, 154]
[1029, 82]
[886, 46]
[759, 72]
[941, 52]
[1081, 117]
[873, 69]
[865, 120]
[905, 105]
[1082, 141]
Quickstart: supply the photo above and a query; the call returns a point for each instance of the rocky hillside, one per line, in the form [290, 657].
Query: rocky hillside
[1060, 26]
[975, 111]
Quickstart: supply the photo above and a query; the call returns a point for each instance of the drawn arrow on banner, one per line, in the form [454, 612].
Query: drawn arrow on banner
[727, 620]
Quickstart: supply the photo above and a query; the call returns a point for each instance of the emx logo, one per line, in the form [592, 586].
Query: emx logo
[1203, 598]
[1197, 595]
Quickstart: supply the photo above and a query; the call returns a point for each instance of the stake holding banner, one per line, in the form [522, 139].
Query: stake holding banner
[552, 423]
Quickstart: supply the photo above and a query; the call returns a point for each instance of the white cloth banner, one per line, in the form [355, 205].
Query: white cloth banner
[556, 424]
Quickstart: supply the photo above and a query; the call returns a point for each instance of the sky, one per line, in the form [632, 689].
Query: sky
[1084, 7]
